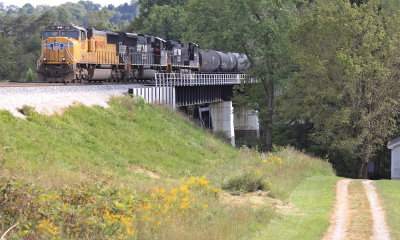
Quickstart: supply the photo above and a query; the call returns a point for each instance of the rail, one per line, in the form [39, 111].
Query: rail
[194, 79]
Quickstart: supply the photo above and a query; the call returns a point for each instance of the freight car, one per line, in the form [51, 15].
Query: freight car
[71, 53]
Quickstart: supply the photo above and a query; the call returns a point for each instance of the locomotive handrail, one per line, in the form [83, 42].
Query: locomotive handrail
[70, 55]
[40, 58]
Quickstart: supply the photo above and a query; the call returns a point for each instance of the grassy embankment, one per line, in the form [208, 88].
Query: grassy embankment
[390, 197]
[140, 171]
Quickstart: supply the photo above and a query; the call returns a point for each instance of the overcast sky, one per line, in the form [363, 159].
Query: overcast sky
[20, 3]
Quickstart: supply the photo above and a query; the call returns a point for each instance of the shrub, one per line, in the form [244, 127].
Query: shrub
[27, 110]
[30, 76]
[247, 182]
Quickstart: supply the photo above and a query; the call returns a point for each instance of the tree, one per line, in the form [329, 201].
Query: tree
[348, 78]
[99, 19]
[63, 15]
[6, 62]
[165, 22]
[257, 28]
[148, 12]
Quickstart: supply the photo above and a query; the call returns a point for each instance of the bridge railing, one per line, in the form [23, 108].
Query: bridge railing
[192, 79]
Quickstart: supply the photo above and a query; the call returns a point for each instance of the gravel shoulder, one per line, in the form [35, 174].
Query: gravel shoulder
[54, 99]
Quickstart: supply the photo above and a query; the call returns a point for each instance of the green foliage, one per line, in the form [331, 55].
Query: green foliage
[347, 82]
[255, 28]
[97, 211]
[6, 56]
[64, 17]
[100, 20]
[27, 110]
[160, 18]
[247, 182]
[280, 172]
[108, 140]
[87, 159]
[30, 76]
[165, 21]
[162, 13]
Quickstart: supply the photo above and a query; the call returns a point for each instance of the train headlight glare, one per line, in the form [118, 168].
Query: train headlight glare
[63, 59]
[44, 59]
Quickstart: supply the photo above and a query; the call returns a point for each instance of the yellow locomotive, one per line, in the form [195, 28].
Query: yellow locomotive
[71, 53]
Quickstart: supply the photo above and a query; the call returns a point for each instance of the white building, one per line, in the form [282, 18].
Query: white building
[394, 145]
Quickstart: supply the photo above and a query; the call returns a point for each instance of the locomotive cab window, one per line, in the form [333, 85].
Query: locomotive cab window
[83, 36]
[70, 34]
[47, 34]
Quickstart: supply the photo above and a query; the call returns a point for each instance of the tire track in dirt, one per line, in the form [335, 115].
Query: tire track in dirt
[340, 218]
[380, 228]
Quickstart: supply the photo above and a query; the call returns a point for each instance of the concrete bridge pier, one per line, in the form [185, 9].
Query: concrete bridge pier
[247, 128]
[223, 118]
[241, 127]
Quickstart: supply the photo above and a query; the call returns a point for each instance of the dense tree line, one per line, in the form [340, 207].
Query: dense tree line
[327, 69]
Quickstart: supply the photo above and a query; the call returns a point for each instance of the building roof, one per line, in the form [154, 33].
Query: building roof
[393, 142]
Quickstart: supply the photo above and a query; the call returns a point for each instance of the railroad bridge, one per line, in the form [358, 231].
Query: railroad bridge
[207, 97]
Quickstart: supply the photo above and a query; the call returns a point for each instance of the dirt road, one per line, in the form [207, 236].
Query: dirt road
[358, 213]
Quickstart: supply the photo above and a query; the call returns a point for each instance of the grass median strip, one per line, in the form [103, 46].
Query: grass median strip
[360, 215]
[313, 202]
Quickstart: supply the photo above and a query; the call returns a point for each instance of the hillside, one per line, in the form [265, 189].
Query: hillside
[140, 171]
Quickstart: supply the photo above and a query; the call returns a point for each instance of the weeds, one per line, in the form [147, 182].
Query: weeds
[246, 182]
[84, 186]
[98, 211]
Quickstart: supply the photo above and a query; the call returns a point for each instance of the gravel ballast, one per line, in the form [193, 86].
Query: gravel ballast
[54, 99]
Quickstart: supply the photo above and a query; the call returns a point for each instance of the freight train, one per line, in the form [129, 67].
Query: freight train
[70, 53]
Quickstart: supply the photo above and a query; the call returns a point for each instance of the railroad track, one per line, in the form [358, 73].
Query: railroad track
[44, 84]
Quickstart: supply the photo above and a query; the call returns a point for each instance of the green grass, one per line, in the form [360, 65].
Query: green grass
[96, 145]
[91, 141]
[313, 202]
[389, 191]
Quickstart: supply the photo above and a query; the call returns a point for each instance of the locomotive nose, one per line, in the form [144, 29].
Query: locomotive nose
[56, 50]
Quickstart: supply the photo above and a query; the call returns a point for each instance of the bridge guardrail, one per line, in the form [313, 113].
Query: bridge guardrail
[194, 79]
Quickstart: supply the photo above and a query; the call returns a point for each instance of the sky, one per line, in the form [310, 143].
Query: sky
[20, 3]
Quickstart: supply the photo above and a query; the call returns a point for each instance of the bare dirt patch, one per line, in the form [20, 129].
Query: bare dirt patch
[380, 228]
[256, 200]
[140, 170]
[340, 218]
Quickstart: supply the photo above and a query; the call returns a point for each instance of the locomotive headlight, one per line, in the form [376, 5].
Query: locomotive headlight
[63, 59]
[45, 59]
